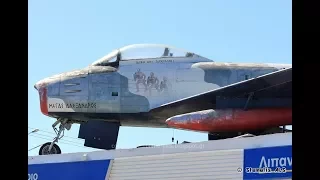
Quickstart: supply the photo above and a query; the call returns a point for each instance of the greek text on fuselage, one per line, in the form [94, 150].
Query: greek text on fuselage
[72, 105]
[156, 61]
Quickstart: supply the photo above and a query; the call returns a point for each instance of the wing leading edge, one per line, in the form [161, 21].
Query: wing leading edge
[273, 86]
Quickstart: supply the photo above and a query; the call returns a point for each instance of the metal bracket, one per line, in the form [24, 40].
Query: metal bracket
[248, 100]
[63, 123]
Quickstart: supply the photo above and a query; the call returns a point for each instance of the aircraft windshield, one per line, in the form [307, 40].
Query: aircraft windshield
[109, 58]
[143, 51]
[146, 51]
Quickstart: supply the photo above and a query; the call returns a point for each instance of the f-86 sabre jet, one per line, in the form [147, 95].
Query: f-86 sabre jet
[151, 85]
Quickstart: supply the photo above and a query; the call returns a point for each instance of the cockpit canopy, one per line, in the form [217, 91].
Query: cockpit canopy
[142, 51]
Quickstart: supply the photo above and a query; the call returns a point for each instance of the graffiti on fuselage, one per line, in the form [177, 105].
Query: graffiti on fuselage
[151, 84]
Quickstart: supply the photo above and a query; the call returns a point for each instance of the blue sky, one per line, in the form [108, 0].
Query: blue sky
[68, 35]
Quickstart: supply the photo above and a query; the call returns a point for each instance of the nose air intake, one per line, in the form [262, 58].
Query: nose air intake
[42, 90]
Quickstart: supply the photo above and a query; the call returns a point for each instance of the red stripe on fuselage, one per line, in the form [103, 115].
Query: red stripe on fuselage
[43, 100]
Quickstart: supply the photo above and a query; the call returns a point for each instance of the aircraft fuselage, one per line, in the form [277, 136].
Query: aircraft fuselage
[127, 93]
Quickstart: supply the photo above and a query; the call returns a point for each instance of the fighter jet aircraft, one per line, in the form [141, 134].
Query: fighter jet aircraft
[150, 85]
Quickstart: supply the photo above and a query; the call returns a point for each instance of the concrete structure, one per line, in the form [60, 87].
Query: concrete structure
[235, 158]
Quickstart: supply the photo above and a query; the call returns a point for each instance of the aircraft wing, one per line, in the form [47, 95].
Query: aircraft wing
[272, 88]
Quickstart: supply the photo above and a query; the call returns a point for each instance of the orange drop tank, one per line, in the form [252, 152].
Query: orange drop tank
[232, 120]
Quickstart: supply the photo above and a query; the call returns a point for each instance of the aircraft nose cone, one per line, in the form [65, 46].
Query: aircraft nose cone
[38, 85]
[41, 83]
[42, 90]
[45, 88]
